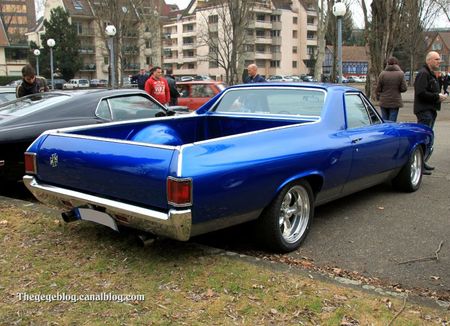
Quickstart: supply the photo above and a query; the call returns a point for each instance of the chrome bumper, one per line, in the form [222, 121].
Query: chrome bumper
[176, 224]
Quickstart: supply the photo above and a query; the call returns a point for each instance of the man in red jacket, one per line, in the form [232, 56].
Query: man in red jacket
[158, 87]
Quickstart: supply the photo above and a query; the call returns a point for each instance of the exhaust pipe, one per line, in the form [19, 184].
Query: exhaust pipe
[69, 216]
[145, 240]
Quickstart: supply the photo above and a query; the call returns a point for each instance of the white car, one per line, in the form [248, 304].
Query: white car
[76, 83]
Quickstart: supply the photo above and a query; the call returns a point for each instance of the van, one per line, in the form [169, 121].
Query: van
[76, 83]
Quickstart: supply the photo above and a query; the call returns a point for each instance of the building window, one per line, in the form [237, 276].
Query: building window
[436, 46]
[310, 20]
[310, 35]
[213, 19]
[275, 63]
[249, 48]
[276, 49]
[275, 33]
[275, 18]
[294, 34]
[294, 64]
[250, 32]
[295, 20]
[188, 28]
[148, 60]
[294, 49]
[260, 48]
[260, 17]
[213, 64]
[188, 40]
[311, 50]
[260, 33]
[191, 65]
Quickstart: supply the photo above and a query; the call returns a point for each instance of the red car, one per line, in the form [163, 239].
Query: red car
[195, 93]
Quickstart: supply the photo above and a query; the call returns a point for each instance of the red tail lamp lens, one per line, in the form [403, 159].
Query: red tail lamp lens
[30, 163]
[179, 191]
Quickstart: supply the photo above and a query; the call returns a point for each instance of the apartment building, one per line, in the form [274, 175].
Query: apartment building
[281, 38]
[17, 17]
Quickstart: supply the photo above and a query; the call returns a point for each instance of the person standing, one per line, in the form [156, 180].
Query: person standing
[31, 84]
[443, 82]
[427, 99]
[391, 83]
[174, 94]
[141, 78]
[253, 76]
[158, 87]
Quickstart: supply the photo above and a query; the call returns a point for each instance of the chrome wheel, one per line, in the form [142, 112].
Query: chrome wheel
[416, 168]
[295, 212]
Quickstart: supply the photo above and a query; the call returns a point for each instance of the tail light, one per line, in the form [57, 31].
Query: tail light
[30, 163]
[179, 191]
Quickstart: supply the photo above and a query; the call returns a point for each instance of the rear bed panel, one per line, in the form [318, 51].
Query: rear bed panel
[129, 172]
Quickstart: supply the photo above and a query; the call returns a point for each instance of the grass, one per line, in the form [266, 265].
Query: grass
[183, 283]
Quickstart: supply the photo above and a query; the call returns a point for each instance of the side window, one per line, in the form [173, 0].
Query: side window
[373, 114]
[133, 107]
[103, 110]
[183, 90]
[355, 112]
[199, 91]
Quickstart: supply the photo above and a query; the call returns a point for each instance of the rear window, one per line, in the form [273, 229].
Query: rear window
[31, 103]
[282, 101]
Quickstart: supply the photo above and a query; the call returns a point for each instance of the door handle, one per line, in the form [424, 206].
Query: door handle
[356, 140]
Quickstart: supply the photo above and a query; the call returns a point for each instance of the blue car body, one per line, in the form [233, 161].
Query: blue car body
[314, 143]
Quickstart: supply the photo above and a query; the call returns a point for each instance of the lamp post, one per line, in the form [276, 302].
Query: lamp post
[51, 44]
[111, 32]
[37, 53]
[339, 10]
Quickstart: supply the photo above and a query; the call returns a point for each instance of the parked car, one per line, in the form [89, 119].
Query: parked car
[194, 94]
[98, 83]
[76, 83]
[7, 94]
[24, 119]
[309, 79]
[279, 78]
[267, 152]
[202, 77]
[186, 78]
[14, 83]
[354, 79]
[59, 83]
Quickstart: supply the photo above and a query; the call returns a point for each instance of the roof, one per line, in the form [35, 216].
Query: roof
[77, 8]
[354, 53]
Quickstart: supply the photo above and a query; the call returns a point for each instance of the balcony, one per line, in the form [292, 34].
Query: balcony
[263, 55]
[188, 46]
[263, 24]
[172, 59]
[86, 50]
[277, 25]
[276, 40]
[86, 32]
[263, 40]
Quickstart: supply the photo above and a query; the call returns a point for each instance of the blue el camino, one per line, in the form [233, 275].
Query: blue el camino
[266, 152]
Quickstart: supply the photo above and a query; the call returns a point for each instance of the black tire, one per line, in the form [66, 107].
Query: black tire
[409, 178]
[284, 224]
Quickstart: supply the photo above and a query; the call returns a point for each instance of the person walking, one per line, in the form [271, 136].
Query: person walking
[174, 94]
[253, 76]
[31, 84]
[427, 96]
[443, 82]
[391, 83]
[158, 87]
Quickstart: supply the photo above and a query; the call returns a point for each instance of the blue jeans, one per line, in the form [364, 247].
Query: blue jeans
[427, 118]
[389, 114]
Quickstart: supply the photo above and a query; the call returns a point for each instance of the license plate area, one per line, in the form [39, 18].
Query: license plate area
[87, 214]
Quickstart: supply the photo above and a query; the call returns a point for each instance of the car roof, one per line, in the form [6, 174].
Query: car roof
[325, 86]
[195, 82]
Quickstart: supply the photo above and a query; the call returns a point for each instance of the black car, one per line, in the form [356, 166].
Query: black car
[58, 82]
[23, 119]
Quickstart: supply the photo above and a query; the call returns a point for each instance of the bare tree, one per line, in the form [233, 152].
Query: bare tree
[224, 33]
[131, 18]
[323, 10]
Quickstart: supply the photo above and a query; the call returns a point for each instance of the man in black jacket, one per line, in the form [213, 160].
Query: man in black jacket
[174, 94]
[427, 99]
[31, 84]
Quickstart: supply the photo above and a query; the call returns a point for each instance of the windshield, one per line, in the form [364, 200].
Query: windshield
[285, 101]
[31, 103]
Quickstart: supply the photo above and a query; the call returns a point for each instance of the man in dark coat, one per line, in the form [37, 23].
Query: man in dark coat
[391, 83]
[141, 78]
[31, 84]
[174, 94]
[253, 76]
[427, 99]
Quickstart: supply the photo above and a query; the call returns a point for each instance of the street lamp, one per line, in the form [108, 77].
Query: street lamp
[339, 10]
[37, 53]
[51, 44]
[111, 32]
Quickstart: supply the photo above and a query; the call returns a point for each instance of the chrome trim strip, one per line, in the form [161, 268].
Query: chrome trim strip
[176, 224]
